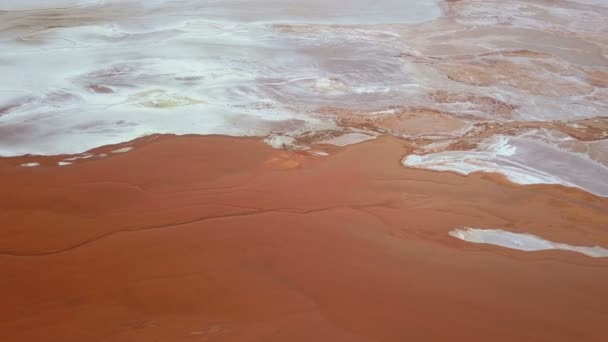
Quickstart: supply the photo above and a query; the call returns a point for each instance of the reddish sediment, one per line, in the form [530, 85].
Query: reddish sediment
[225, 239]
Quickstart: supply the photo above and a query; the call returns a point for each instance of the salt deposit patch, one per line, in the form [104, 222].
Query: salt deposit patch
[123, 150]
[28, 5]
[523, 160]
[95, 73]
[280, 141]
[348, 139]
[362, 12]
[30, 164]
[522, 241]
[86, 156]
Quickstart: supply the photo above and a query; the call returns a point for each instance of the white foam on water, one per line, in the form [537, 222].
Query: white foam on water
[522, 241]
[30, 164]
[523, 160]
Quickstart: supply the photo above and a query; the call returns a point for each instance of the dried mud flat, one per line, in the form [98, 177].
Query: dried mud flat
[216, 238]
